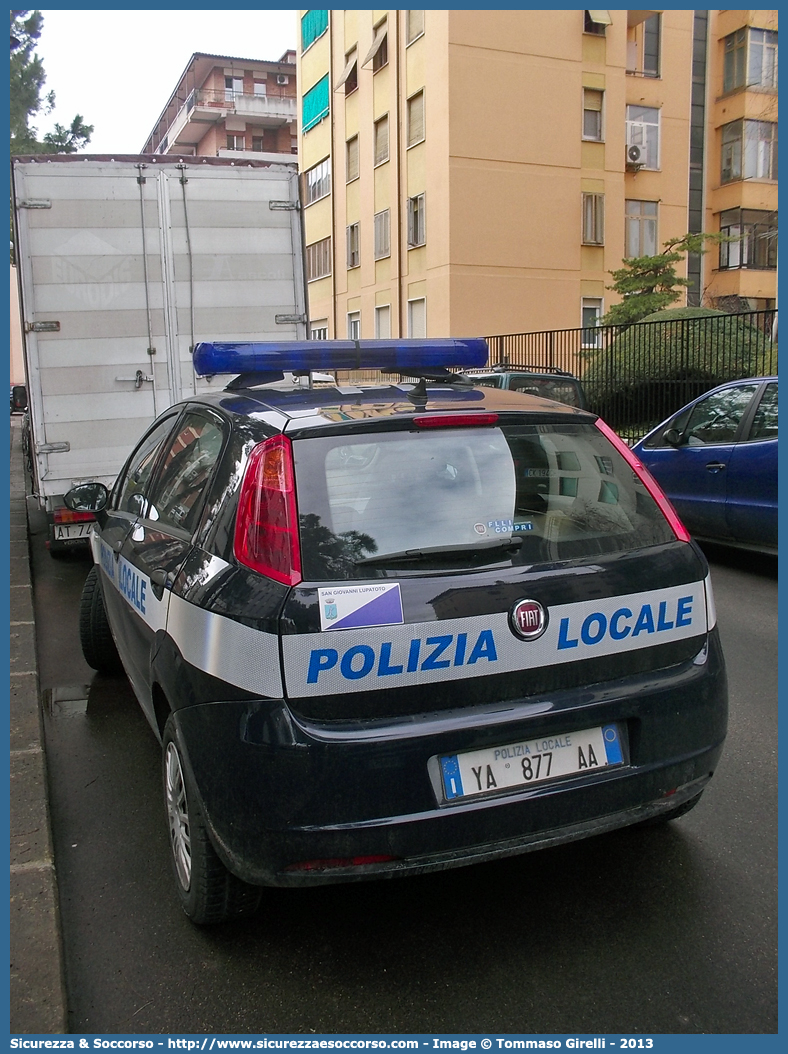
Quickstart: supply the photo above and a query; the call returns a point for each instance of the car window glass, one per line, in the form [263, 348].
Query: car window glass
[175, 497]
[529, 385]
[716, 418]
[764, 423]
[556, 491]
[547, 388]
[129, 491]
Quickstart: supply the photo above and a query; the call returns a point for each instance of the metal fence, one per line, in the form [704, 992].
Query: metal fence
[635, 376]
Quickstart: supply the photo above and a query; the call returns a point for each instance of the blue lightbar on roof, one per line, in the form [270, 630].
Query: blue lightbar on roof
[393, 356]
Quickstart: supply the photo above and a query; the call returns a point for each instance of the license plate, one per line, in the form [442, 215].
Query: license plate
[532, 761]
[65, 532]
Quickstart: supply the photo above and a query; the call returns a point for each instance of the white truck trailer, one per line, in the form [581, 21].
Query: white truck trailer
[124, 264]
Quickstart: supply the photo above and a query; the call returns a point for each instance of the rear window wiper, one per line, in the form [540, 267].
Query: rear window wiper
[471, 548]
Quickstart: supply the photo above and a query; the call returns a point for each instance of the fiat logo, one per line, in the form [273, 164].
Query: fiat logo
[528, 619]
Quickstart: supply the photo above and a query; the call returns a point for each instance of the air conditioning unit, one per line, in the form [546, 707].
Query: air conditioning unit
[635, 155]
[282, 78]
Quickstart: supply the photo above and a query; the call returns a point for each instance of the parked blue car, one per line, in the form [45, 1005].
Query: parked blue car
[716, 459]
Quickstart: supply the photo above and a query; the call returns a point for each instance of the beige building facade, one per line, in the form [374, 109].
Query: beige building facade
[482, 172]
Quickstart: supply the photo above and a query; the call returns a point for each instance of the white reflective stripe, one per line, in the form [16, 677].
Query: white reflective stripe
[215, 644]
[134, 587]
[237, 654]
[711, 609]
[455, 649]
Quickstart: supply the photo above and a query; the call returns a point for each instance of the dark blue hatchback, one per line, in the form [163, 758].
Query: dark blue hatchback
[391, 628]
[716, 459]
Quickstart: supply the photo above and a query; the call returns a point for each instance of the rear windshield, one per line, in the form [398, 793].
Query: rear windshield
[391, 502]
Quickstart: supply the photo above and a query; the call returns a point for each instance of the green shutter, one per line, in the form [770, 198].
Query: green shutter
[315, 105]
[313, 25]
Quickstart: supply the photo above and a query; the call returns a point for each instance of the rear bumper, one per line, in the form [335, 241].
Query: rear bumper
[278, 792]
[495, 850]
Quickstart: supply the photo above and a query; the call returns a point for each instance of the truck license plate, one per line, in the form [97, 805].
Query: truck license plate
[68, 531]
[526, 763]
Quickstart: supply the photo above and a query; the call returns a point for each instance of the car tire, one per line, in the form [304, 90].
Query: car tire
[95, 636]
[672, 814]
[208, 892]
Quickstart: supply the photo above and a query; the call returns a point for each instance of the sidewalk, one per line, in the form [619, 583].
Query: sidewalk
[37, 991]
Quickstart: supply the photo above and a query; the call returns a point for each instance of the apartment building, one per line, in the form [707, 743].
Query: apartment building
[481, 172]
[224, 106]
[741, 145]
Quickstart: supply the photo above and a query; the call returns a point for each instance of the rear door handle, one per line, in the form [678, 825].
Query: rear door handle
[715, 466]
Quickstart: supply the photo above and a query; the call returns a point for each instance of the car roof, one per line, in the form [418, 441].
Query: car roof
[523, 371]
[349, 404]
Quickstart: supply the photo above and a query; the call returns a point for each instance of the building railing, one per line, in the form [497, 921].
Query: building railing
[281, 106]
[635, 376]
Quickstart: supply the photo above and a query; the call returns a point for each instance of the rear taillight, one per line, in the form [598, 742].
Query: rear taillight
[647, 480]
[266, 527]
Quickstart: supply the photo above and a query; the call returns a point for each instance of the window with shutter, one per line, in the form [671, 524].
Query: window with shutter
[415, 25]
[417, 229]
[318, 259]
[378, 53]
[382, 234]
[593, 219]
[314, 105]
[353, 254]
[313, 25]
[592, 114]
[383, 322]
[350, 73]
[416, 119]
[417, 318]
[318, 181]
[352, 159]
[382, 140]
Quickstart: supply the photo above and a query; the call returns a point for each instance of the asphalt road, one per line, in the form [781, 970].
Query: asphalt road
[670, 930]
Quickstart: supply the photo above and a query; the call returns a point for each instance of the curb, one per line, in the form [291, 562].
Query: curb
[37, 985]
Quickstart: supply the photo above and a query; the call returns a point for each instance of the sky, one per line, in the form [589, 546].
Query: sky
[118, 68]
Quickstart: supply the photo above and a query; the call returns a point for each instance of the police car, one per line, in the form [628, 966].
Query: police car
[391, 628]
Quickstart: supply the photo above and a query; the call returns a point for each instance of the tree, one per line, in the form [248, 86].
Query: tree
[652, 369]
[650, 283]
[68, 140]
[27, 80]
[26, 98]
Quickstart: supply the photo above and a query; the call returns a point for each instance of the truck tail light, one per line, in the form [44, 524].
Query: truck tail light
[266, 526]
[63, 515]
[647, 480]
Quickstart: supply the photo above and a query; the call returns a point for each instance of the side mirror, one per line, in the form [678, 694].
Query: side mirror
[87, 497]
[19, 397]
[672, 437]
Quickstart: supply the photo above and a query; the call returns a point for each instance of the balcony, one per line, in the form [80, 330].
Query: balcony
[259, 155]
[206, 106]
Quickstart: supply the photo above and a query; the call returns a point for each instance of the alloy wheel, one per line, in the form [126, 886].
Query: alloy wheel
[178, 816]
